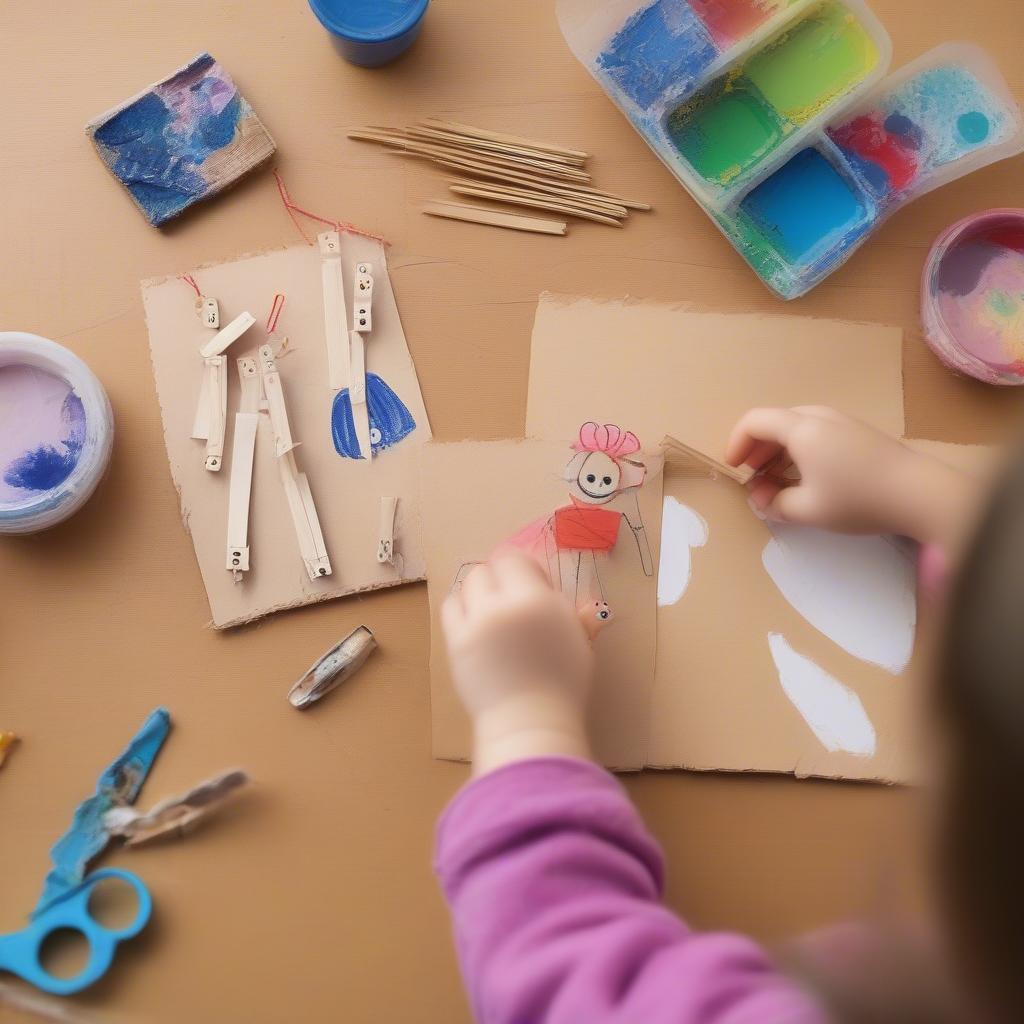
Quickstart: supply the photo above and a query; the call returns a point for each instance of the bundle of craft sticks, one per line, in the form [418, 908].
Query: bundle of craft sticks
[506, 169]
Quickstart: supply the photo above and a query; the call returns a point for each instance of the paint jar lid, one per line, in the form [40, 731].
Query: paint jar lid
[369, 21]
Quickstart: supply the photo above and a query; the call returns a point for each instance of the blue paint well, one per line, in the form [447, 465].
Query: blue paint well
[371, 32]
[47, 467]
[663, 46]
[807, 209]
[390, 420]
[119, 783]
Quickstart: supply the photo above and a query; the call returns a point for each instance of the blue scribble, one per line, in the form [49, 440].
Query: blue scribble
[119, 784]
[46, 467]
[390, 420]
[156, 146]
[662, 46]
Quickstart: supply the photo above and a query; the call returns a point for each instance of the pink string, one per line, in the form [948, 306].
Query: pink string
[275, 313]
[338, 225]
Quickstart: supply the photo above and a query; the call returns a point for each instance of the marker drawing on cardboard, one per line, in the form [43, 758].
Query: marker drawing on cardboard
[603, 477]
[858, 591]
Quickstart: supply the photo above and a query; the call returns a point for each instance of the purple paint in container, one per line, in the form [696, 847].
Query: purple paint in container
[972, 297]
[371, 32]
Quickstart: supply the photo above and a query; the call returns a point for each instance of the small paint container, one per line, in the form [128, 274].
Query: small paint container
[56, 433]
[972, 297]
[371, 32]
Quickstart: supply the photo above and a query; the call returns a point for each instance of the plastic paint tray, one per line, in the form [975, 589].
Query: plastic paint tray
[775, 116]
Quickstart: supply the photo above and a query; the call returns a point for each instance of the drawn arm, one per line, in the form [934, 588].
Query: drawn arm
[636, 524]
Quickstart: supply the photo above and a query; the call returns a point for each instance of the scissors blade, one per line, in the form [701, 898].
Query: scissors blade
[119, 784]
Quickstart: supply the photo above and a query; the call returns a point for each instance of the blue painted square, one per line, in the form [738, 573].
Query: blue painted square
[807, 209]
[182, 140]
[663, 46]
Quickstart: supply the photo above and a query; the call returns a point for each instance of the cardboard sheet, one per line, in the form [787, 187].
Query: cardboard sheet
[347, 492]
[718, 701]
[476, 494]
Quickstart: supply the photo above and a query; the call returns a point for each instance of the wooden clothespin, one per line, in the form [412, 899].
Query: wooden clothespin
[243, 448]
[208, 310]
[296, 485]
[335, 316]
[362, 324]
[740, 474]
[211, 413]
[386, 543]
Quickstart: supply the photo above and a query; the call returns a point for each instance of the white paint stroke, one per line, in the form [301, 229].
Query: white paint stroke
[681, 529]
[859, 591]
[833, 711]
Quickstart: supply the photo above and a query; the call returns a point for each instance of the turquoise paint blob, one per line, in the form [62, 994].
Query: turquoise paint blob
[807, 210]
[973, 127]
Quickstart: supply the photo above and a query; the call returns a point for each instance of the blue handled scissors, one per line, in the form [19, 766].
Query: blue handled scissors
[64, 903]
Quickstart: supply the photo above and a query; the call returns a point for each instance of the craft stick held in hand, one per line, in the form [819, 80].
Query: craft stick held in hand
[741, 474]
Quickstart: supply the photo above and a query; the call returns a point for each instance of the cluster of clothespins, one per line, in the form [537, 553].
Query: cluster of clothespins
[506, 169]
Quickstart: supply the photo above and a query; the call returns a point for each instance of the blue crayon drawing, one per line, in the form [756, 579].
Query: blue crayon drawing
[186, 138]
[390, 420]
[46, 467]
[662, 46]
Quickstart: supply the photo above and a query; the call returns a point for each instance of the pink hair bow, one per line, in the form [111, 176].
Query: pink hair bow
[608, 439]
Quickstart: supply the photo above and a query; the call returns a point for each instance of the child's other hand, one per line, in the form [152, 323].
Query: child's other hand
[520, 661]
[849, 477]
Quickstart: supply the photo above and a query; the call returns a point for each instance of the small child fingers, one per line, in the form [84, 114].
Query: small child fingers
[756, 426]
[517, 569]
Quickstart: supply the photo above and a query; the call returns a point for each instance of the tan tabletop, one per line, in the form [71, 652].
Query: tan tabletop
[312, 899]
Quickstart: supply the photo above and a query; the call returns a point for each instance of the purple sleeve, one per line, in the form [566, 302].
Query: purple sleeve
[555, 888]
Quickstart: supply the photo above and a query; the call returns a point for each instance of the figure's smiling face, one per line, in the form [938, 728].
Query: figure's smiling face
[598, 478]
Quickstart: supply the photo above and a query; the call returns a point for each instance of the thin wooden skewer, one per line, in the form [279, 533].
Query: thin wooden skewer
[491, 147]
[609, 209]
[537, 204]
[400, 142]
[741, 474]
[512, 140]
[495, 218]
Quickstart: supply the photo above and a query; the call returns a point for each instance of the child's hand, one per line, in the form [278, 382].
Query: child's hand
[849, 477]
[520, 661]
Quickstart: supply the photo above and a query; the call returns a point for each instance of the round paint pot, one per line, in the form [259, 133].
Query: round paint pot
[56, 433]
[972, 297]
[371, 32]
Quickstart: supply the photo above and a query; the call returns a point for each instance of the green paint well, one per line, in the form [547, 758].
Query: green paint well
[1002, 303]
[725, 132]
[819, 59]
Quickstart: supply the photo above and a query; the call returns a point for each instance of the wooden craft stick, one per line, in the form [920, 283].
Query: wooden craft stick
[335, 315]
[741, 474]
[502, 163]
[283, 442]
[217, 399]
[496, 218]
[513, 140]
[539, 203]
[226, 336]
[576, 192]
[487, 146]
[243, 449]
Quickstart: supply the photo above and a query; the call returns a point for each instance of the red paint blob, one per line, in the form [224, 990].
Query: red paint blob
[866, 136]
[730, 20]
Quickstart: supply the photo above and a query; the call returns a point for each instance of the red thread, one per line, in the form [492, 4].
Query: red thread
[191, 282]
[338, 225]
[275, 313]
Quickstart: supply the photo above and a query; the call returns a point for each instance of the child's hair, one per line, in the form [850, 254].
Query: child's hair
[978, 697]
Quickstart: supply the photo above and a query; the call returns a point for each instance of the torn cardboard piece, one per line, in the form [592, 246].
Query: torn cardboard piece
[347, 491]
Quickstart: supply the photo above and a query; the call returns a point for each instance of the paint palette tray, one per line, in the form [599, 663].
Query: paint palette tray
[775, 117]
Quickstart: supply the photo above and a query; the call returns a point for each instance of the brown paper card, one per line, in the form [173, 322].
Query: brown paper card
[476, 494]
[347, 492]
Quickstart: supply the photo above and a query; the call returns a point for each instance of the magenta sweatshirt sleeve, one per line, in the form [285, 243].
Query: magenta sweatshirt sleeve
[555, 890]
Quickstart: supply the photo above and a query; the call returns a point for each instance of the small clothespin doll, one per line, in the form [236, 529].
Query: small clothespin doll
[604, 477]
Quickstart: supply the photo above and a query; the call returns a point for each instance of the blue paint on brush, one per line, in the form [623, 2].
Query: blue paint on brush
[47, 467]
[390, 420]
[119, 784]
[663, 46]
[808, 210]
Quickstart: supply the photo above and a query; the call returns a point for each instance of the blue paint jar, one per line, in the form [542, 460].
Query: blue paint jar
[371, 32]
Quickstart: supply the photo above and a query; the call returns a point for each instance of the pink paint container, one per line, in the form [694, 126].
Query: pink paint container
[972, 297]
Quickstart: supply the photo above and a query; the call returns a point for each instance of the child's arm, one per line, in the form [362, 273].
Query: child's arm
[852, 478]
[553, 882]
